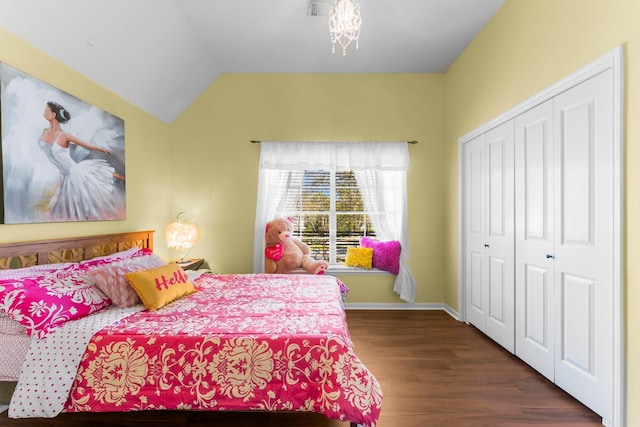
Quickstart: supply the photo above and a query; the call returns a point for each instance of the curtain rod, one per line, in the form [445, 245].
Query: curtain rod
[253, 141]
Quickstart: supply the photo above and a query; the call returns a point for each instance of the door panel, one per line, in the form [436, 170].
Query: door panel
[583, 133]
[500, 324]
[497, 279]
[578, 335]
[577, 167]
[536, 294]
[475, 280]
[534, 238]
[475, 224]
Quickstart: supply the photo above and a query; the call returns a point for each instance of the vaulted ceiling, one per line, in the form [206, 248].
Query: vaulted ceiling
[161, 54]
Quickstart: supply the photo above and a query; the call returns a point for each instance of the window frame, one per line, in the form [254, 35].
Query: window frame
[335, 259]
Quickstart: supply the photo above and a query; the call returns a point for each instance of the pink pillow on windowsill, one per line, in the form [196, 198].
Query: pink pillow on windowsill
[386, 255]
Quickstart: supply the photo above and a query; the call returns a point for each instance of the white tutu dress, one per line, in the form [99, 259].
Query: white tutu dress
[87, 190]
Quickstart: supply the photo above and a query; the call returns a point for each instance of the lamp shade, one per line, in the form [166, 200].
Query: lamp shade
[181, 234]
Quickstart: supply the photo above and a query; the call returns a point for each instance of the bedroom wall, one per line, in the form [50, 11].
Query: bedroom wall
[146, 147]
[526, 47]
[216, 167]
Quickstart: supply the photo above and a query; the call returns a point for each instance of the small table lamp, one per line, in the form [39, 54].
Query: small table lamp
[182, 234]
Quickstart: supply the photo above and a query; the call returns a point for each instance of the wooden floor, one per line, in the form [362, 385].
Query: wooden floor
[433, 370]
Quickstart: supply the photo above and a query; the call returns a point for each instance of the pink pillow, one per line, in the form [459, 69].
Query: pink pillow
[115, 257]
[34, 270]
[43, 302]
[386, 255]
[111, 280]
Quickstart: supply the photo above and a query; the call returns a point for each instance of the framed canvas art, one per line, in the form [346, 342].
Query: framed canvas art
[62, 159]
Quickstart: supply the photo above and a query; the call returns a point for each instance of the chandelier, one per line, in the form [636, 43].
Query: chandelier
[344, 23]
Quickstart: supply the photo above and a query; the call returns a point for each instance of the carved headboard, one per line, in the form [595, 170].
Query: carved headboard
[70, 249]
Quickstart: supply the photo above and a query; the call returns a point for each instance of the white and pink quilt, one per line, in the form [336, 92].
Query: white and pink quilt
[242, 342]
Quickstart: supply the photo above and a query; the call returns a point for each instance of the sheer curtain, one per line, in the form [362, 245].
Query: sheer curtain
[380, 168]
[385, 192]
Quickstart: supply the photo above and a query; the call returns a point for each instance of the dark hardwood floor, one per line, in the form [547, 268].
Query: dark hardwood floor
[433, 370]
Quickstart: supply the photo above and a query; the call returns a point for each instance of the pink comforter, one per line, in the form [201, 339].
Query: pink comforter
[242, 342]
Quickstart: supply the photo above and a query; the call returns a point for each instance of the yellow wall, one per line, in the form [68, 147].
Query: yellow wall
[146, 145]
[526, 47]
[203, 162]
[217, 169]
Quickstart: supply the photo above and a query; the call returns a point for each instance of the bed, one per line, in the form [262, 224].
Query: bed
[232, 342]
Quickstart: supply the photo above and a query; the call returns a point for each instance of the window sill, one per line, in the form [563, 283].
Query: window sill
[343, 270]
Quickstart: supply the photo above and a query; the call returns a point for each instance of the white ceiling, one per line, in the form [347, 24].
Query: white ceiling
[161, 54]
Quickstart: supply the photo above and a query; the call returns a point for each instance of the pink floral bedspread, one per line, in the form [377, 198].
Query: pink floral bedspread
[242, 342]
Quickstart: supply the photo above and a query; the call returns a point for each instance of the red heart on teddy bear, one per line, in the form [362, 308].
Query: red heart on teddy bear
[274, 252]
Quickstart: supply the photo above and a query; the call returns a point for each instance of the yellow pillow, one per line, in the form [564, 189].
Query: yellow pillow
[159, 286]
[359, 257]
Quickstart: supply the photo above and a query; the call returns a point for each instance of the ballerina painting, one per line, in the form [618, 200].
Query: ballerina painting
[62, 159]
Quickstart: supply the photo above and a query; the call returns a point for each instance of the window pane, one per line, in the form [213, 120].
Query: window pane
[319, 247]
[313, 230]
[369, 231]
[341, 252]
[316, 187]
[308, 201]
[348, 197]
[314, 225]
[350, 228]
[317, 178]
[346, 179]
[315, 201]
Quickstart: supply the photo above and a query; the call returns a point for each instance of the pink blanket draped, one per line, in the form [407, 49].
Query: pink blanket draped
[242, 342]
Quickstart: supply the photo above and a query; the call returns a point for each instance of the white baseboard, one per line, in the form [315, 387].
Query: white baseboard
[402, 306]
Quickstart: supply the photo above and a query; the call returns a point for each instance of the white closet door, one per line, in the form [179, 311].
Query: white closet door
[584, 207]
[500, 291]
[534, 238]
[490, 234]
[475, 223]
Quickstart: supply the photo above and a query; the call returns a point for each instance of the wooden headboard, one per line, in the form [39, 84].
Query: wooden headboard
[70, 249]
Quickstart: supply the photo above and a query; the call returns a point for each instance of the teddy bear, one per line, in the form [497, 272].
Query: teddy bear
[285, 253]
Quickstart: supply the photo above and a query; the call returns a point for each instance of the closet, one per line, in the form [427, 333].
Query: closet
[541, 238]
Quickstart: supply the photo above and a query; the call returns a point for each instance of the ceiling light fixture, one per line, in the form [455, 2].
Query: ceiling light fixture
[344, 23]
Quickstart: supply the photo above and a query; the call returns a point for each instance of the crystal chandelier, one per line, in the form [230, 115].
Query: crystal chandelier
[344, 23]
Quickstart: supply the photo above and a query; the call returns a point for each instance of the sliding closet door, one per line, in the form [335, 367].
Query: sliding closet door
[584, 207]
[534, 238]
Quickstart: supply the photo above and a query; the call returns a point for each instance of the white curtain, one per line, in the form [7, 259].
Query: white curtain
[380, 168]
[270, 197]
[385, 192]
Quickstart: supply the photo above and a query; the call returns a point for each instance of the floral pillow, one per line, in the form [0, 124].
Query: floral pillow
[111, 280]
[386, 255]
[43, 302]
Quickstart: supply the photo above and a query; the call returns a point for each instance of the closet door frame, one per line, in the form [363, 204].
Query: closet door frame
[612, 60]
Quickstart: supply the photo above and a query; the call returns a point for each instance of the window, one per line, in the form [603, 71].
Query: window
[328, 211]
[363, 184]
